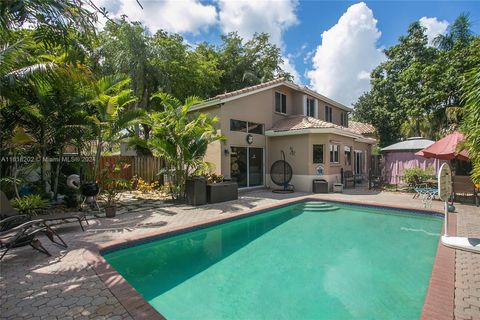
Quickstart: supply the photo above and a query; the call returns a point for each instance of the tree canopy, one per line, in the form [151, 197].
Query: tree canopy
[417, 91]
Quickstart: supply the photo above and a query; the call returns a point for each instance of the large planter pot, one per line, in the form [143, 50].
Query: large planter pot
[111, 211]
[196, 191]
[90, 189]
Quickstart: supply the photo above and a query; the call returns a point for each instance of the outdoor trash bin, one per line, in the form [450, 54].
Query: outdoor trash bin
[320, 186]
[196, 189]
[223, 191]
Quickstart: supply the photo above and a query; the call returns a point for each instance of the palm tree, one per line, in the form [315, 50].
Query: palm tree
[181, 138]
[112, 115]
[459, 32]
[471, 121]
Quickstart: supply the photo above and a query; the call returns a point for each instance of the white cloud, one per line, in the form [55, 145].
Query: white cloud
[180, 16]
[290, 68]
[346, 56]
[434, 27]
[270, 16]
[250, 16]
[308, 56]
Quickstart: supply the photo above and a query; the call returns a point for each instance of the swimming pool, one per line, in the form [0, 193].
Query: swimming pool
[302, 261]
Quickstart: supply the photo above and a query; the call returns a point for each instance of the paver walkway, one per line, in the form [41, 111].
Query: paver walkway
[467, 270]
[64, 286]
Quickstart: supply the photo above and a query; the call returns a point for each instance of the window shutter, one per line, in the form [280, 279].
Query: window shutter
[305, 105]
[316, 108]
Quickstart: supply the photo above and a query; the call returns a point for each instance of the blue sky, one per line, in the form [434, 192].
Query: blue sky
[336, 64]
[393, 19]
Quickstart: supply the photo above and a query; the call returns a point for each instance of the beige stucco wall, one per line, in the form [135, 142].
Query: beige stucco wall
[301, 159]
[260, 108]
[297, 152]
[214, 151]
[297, 100]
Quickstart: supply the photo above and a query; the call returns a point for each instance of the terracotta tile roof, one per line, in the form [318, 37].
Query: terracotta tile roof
[302, 122]
[247, 89]
[360, 127]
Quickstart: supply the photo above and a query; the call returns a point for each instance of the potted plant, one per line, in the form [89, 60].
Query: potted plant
[111, 193]
[112, 186]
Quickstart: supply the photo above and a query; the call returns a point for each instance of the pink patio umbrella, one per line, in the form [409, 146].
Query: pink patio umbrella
[445, 148]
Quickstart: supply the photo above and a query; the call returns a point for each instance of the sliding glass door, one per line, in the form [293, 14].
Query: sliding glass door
[246, 166]
[359, 162]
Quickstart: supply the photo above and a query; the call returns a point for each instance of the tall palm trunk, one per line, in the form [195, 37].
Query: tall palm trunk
[98, 154]
[57, 175]
[15, 172]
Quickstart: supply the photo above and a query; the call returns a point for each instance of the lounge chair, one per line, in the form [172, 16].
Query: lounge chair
[6, 210]
[17, 231]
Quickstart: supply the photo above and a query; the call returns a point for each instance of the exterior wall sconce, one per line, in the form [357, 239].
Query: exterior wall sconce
[226, 152]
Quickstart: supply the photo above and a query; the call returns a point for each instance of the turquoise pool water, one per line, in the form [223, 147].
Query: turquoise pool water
[310, 261]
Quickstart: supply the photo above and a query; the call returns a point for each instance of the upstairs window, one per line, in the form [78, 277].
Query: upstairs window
[344, 119]
[238, 125]
[328, 114]
[245, 126]
[317, 153]
[280, 102]
[256, 128]
[334, 153]
[310, 107]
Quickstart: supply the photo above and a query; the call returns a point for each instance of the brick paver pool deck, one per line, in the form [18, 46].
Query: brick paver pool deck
[65, 286]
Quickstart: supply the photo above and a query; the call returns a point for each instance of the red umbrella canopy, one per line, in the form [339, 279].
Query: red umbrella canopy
[445, 148]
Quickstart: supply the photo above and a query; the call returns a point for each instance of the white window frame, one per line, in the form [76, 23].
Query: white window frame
[306, 106]
[328, 115]
[344, 119]
[332, 149]
[350, 151]
[281, 100]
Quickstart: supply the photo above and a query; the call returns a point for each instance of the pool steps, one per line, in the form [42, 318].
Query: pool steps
[317, 206]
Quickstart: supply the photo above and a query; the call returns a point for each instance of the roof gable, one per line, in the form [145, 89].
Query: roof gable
[233, 95]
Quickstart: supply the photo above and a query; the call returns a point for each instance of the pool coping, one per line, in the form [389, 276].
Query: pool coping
[438, 304]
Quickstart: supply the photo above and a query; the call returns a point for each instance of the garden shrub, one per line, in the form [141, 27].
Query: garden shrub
[32, 204]
[139, 184]
[422, 174]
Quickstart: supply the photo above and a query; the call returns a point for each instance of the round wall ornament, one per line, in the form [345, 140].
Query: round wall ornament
[249, 139]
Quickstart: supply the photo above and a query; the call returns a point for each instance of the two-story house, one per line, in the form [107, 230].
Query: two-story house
[312, 130]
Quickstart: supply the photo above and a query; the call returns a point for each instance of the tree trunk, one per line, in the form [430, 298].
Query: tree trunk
[15, 186]
[417, 127]
[97, 158]
[42, 159]
[57, 175]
